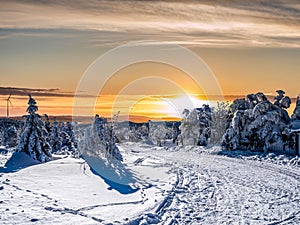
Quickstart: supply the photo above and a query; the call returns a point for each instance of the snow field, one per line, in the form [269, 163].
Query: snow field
[177, 185]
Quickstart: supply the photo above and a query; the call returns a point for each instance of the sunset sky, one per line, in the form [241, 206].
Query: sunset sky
[47, 46]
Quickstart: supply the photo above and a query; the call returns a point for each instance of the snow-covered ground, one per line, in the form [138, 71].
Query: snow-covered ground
[189, 185]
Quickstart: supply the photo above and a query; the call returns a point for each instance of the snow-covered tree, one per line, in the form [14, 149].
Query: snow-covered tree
[34, 138]
[69, 129]
[66, 143]
[195, 126]
[122, 134]
[296, 113]
[62, 138]
[105, 132]
[159, 134]
[189, 128]
[55, 139]
[219, 122]
[47, 123]
[134, 135]
[257, 124]
[175, 131]
[10, 137]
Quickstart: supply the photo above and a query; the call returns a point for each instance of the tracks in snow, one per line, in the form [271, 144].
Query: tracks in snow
[233, 191]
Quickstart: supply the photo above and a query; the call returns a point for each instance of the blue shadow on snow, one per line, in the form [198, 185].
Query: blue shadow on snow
[113, 173]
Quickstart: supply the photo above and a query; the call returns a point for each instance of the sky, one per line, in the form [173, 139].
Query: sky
[46, 47]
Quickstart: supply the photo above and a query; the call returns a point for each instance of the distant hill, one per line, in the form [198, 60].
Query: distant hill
[88, 119]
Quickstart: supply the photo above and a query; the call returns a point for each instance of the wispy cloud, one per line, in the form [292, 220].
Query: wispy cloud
[214, 23]
[16, 91]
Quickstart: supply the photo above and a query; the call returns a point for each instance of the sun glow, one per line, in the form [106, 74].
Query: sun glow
[140, 108]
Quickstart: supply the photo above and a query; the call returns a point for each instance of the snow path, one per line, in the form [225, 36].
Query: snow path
[223, 190]
[178, 186]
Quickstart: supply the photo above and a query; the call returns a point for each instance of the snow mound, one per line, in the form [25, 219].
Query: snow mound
[19, 160]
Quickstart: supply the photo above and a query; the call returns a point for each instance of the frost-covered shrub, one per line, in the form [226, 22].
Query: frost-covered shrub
[34, 137]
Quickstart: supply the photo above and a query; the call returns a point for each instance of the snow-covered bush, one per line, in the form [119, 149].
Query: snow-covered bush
[256, 123]
[34, 137]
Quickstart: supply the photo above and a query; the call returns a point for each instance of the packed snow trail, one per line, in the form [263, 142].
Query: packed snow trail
[239, 193]
[223, 190]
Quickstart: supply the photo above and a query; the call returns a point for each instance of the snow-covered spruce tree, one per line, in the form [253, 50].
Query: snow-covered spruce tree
[69, 129]
[67, 146]
[47, 123]
[205, 122]
[10, 137]
[55, 140]
[34, 138]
